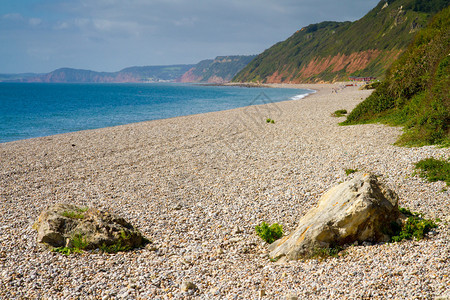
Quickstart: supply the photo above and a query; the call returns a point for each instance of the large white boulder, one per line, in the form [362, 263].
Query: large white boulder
[361, 209]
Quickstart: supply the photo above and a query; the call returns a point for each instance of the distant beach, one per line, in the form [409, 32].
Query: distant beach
[197, 186]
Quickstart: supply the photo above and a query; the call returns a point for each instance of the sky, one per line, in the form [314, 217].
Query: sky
[109, 35]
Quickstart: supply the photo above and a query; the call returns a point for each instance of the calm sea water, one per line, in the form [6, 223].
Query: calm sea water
[30, 110]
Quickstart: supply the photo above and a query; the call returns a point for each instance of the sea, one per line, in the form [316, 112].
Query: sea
[29, 110]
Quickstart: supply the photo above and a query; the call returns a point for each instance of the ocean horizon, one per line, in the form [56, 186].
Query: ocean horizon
[30, 110]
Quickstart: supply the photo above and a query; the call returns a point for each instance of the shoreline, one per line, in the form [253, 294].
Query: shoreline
[237, 85]
[197, 186]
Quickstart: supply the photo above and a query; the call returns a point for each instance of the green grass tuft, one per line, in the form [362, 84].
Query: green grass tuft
[269, 233]
[350, 171]
[324, 253]
[339, 113]
[78, 245]
[434, 169]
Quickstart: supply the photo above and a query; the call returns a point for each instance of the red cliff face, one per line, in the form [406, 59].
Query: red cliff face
[190, 77]
[332, 64]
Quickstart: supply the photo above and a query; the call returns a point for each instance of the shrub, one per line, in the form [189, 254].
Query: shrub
[415, 227]
[268, 120]
[269, 233]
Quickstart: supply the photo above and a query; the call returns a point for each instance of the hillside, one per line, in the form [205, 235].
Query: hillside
[331, 51]
[219, 70]
[131, 74]
[416, 91]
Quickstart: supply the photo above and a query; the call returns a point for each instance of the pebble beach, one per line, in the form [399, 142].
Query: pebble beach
[197, 186]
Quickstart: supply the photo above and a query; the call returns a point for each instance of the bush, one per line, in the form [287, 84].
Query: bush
[269, 233]
[415, 91]
[415, 227]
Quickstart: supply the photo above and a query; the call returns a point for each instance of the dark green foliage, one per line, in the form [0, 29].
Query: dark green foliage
[324, 253]
[78, 245]
[416, 91]
[270, 121]
[435, 169]
[372, 85]
[430, 6]
[388, 30]
[339, 113]
[415, 227]
[406, 211]
[350, 171]
[269, 233]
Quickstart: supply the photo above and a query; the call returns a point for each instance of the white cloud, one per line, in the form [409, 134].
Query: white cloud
[13, 17]
[34, 21]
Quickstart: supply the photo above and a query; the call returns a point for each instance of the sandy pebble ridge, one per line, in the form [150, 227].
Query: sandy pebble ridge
[197, 186]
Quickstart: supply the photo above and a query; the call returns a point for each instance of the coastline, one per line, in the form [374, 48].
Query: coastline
[198, 185]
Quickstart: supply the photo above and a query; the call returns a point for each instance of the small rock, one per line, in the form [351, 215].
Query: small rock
[237, 230]
[234, 240]
[291, 297]
[177, 206]
[262, 293]
[188, 285]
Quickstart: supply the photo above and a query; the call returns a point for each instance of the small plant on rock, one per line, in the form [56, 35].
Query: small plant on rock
[350, 171]
[269, 233]
[78, 245]
[75, 214]
[324, 253]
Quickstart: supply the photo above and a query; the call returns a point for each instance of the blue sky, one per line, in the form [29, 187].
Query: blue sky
[109, 35]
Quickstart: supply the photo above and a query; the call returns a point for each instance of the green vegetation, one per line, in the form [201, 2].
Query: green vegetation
[339, 113]
[434, 169]
[371, 86]
[78, 245]
[350, 171]
[416, 91]
[75, 214]
[269, 233]
[270, 121]
[224, 67]
[323, 253]
[120, 245]
[379, 37]
[415, 227]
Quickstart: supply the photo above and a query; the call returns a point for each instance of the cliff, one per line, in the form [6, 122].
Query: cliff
[131, 74]
[332, 51]
[219, 70]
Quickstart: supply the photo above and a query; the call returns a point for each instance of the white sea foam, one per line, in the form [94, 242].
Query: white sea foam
[301, 96]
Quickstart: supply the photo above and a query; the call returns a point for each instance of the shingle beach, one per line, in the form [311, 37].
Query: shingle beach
[197, 186]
